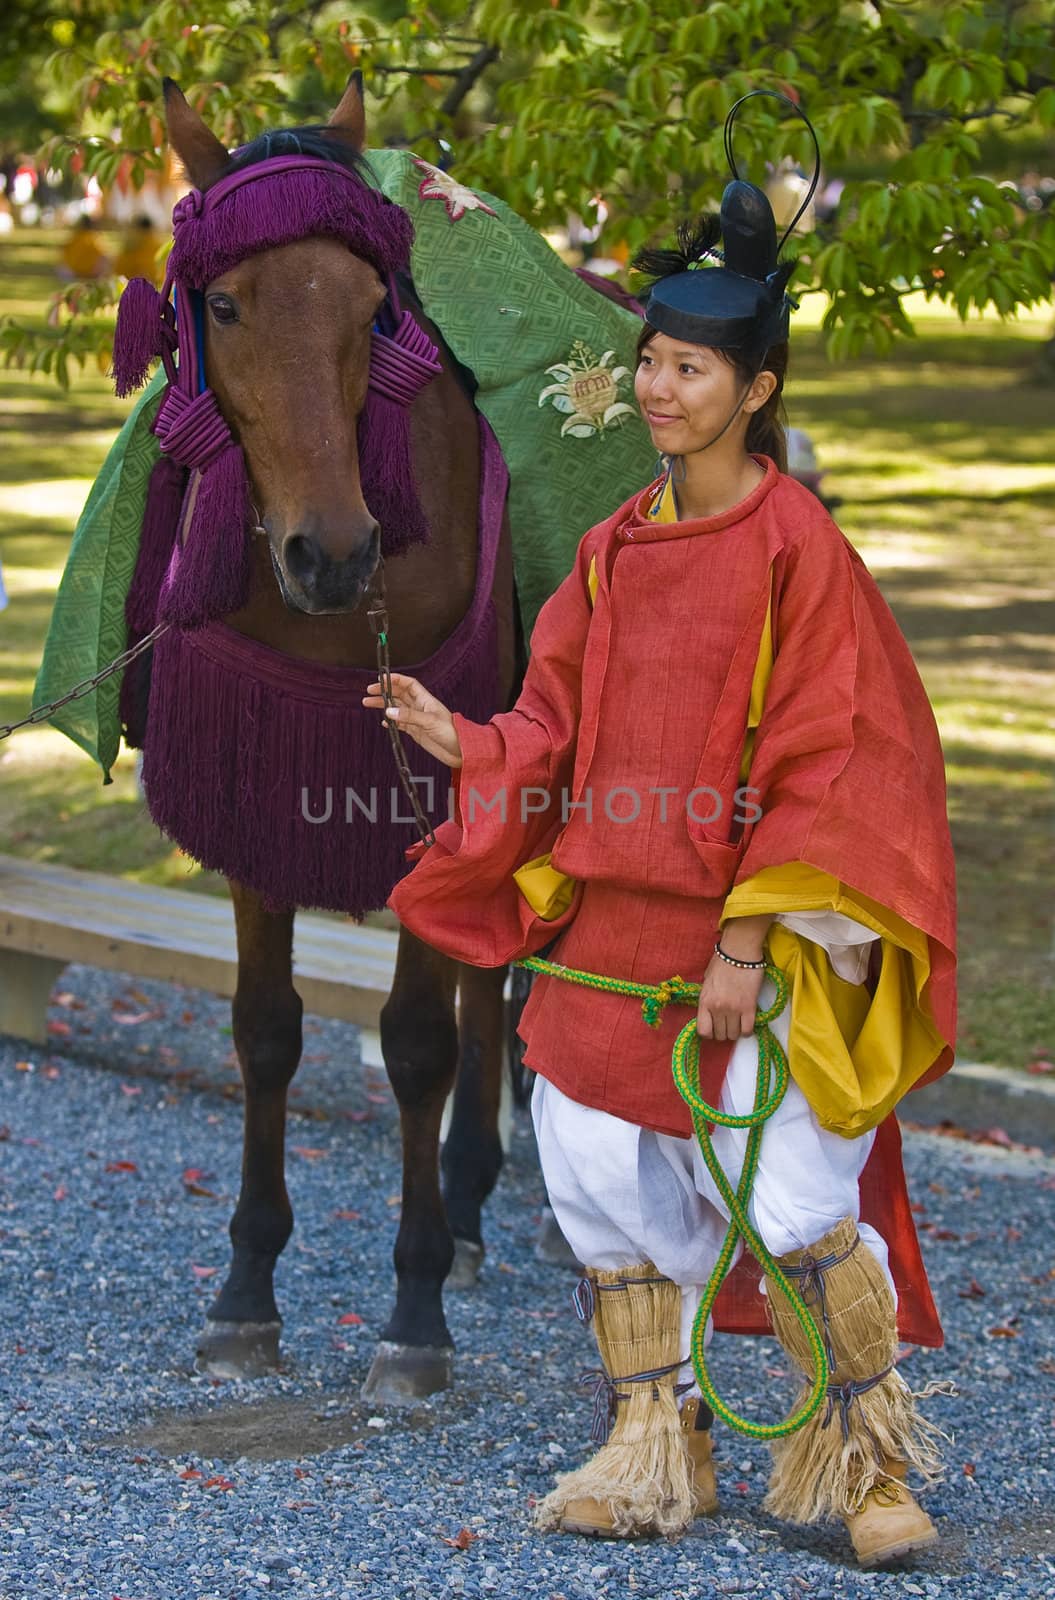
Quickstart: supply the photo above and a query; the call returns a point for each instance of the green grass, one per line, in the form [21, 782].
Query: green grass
[942, 456]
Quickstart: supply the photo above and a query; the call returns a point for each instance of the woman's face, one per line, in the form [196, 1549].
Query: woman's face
[686, 392]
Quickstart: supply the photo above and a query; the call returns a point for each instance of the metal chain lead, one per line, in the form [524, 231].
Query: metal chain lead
[42, 713]
[377, 616]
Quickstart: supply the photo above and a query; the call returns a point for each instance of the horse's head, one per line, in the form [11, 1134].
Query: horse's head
[287, 351]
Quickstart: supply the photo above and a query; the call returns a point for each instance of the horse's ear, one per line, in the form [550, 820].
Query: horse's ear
[201, 152]
[349, 120]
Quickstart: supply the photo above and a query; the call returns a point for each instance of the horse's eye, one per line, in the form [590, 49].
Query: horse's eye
[223, 309]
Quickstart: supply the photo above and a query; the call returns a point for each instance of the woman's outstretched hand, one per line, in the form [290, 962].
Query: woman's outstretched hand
[420, 714]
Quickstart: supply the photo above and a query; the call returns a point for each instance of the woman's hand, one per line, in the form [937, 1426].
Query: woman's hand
[728, 1001]
[421, 715]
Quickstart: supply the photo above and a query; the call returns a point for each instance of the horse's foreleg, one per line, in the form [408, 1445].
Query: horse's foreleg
[242, 1330]
[419, 1040]
[472, 1154]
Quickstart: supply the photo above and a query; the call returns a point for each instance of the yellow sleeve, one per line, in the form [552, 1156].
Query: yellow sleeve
[852, 1053]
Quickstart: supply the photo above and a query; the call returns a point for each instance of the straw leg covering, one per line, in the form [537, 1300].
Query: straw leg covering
[640, 1481]
[826, 1468]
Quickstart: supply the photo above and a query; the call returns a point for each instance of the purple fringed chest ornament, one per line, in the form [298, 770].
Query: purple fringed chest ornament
[193, 565]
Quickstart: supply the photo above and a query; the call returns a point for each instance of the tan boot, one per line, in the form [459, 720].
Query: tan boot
[888, 1523]
[701, 1460]
[849, 1458]
[640, 1481]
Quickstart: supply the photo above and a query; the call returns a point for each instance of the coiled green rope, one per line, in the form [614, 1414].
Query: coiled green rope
[771, 1086]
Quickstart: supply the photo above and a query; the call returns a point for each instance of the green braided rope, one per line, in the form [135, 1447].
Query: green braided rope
[685, 1061]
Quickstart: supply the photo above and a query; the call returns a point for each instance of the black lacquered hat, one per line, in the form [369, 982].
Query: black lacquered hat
[723, 285]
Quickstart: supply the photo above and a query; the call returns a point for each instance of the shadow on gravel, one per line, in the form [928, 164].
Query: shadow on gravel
[267, 1430]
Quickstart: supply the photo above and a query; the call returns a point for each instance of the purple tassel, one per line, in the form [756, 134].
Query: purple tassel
[160, 521]
[144, 332]
[386, 473]
[269, 737]
[208, 577]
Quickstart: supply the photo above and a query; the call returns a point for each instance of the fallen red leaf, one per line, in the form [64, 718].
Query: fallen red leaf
[51, 1072]
[998, 1136]
[193, 1174]
[968, 1469]
[349, 1320]
[121, 1166]
[464, 1539]
[201, 1190]
[131, 1019]
[61, 1029]
[1003, 1333]
[204, 1272]
[301, 1473]
[60, 1192]
[309, 1153]
[217, 1483]
[64, 999]
[973, 1291]
[347, 1216]
[191, 1472]
[1041, 1066]
[357, 1116]
[131, 1088]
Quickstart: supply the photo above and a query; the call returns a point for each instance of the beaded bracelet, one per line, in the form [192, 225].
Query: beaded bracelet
[751, 966]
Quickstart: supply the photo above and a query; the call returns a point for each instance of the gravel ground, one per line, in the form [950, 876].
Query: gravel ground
[123, 1474]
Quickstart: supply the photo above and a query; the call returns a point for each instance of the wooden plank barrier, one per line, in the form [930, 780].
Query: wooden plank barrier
[52, 915]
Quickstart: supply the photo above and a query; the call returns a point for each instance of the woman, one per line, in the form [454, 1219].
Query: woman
[722, 753]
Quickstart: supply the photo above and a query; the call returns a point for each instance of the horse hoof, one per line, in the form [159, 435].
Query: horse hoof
[465, 1268]
[552, 1247]
[401, 1374]
[238, 1349]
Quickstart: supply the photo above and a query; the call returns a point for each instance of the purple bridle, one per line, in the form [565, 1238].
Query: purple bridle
[260, 207]
[208, 242]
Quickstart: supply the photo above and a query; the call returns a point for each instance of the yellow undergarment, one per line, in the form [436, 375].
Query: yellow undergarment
[853, 1054]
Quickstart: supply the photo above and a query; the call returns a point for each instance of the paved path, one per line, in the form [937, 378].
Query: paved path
[124, 1474]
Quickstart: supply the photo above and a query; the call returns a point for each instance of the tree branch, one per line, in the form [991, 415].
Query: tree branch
[467, 78]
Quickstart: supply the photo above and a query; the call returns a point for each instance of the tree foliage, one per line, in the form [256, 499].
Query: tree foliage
[549, 102]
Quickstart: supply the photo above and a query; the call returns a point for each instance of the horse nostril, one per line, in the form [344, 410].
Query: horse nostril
[301, 556]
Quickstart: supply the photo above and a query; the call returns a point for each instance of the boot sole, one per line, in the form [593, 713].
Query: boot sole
[592, 1531]
[903, 1547]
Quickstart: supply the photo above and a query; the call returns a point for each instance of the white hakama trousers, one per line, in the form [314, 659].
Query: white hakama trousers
[623, 1194]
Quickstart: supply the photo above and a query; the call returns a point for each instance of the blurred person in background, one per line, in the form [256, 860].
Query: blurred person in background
[83, 255]
[138, 255]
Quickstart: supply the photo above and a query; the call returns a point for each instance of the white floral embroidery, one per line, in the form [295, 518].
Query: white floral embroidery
[437, 185]
[587, 391]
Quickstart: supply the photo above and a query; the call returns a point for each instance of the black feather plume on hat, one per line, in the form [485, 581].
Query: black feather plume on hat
[695, 240]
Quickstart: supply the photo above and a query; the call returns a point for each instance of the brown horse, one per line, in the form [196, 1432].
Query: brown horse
[287, 345]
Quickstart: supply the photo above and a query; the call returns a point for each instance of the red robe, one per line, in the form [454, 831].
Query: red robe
[648, 689]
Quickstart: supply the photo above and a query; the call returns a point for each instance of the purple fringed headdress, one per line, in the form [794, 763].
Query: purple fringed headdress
[194, 552]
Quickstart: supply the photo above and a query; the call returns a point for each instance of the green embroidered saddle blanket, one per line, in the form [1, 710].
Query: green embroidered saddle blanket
[553, 361]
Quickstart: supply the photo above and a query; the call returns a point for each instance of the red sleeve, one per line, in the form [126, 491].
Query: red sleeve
[461, 896]
[848, 762]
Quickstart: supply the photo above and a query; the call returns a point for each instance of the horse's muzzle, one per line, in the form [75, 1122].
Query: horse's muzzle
[312, 580]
